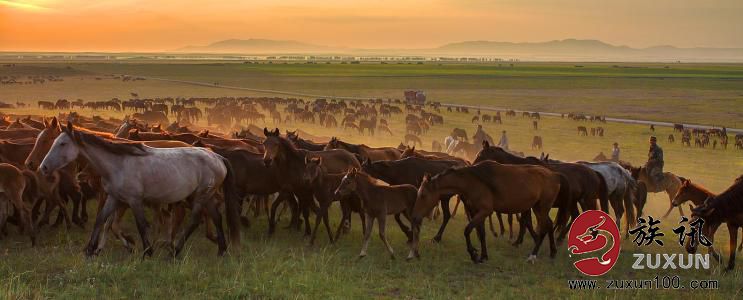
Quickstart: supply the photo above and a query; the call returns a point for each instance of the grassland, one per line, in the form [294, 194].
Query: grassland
[691, 93]
[284, 266]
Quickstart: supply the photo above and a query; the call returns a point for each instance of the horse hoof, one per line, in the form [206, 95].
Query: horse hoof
[532, 259]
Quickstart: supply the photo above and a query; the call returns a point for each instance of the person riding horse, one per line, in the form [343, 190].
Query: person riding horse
[480, 136]
[655, 161]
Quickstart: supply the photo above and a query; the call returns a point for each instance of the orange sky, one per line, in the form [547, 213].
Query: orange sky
[158, 25]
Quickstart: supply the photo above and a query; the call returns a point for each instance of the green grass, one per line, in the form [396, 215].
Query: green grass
[690, 93]
[284, 266]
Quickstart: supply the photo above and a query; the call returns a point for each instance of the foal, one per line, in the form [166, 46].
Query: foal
[12, 185]
[324, 185]
[379, 200]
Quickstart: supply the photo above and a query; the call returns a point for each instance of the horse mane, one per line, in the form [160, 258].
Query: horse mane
[101, 134]
[701, 188]
[83, 137]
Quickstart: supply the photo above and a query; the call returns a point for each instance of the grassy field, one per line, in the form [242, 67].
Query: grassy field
[284, 266]
[690, 93]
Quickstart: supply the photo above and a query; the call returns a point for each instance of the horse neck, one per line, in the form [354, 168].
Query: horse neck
[365, 185]
[699, 194]
[104, 163]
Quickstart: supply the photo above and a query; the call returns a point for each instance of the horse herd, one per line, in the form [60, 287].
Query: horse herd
[213, 175]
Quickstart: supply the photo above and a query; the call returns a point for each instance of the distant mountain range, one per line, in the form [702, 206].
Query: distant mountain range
[568, 50]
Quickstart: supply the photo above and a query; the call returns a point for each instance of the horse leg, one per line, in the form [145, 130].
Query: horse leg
[733, 231]
[456, 207]
[326, 222]
[510, 226]
[544, 224]
[16, 197]
[500, 222]
[345, 217]
[217, 220]
[142, 226]
[629, 210]
[573, 215]
[490, 221]
[115, 225]
[109, 207]
[445, 220]
[481, 236]
[272, 217]
[367, 235]
[318, 218]
[383, 237]
[476, 221]
[404, 227]
[193, 223]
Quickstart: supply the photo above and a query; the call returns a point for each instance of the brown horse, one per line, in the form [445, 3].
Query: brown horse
[12, 186]
[492, 187]
[469, 150]
[727, 207]
[291, 163]
[585, 184]
[379, 200]
[324, 186]
[693, 192]
[375, 154]
[412, 138]
[670, 184]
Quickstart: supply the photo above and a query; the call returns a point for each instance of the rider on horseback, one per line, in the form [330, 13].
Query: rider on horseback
[655, 162]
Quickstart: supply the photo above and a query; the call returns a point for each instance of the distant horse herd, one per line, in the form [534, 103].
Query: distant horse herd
[129, 164]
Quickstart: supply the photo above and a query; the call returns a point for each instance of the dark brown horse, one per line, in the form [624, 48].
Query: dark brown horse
[379, 200]
[324, 186]
[291, 163]
[490, 187]
[375, 154]
[727, 207]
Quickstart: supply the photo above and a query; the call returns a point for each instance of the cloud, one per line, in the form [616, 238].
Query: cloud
[23, 5]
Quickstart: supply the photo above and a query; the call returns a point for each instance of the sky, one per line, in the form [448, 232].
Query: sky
[161, 25]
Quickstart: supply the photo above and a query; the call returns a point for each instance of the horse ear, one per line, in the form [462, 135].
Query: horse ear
[276, 132]
[46, 124]
[413, 148]
[69, 126]
[485, 144]
[546, 158]
[265, 132]
[54, 122]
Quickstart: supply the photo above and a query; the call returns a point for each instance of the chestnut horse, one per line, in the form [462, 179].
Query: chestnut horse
[727, 207]
[490, 187]
[379, 200]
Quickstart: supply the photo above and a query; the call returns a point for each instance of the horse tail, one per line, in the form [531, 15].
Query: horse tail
[603, 193]
[563, 196]
[231, 204]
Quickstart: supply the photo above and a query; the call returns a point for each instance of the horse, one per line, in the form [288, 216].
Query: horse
[490, 187]
[727, 207]
[585, 184]
[414, 139]
[379, 200]
[291, 162]
[459, 133]
[194, 174]
[693, 192]
[12, 186]
[304, 143]
[384, 153]
[620, 187]
[324, 186]
[670, 184]
[469, 150]
[536, 143]
[411, 171]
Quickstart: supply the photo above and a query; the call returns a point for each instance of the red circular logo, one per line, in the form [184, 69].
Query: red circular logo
[589, 233]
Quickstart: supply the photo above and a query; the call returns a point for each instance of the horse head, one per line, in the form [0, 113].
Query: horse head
[63, 151]
[43, 143]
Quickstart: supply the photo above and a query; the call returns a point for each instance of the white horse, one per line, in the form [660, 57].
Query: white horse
[450, 142]
[136, 175]
[620, 186]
